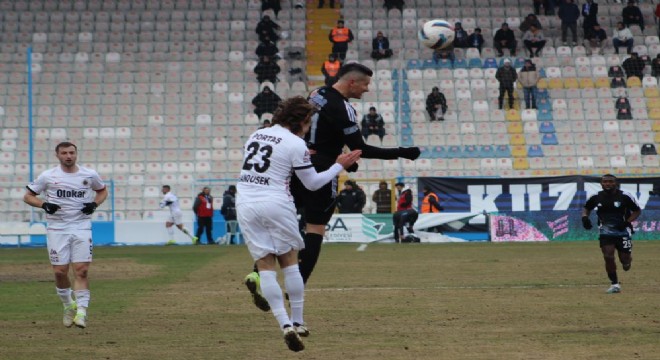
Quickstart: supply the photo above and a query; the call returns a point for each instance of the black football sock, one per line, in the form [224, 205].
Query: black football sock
[613, 277]
[309, 255]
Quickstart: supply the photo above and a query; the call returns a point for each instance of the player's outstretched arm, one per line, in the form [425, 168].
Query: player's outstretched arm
[354, 141]
[314, 181]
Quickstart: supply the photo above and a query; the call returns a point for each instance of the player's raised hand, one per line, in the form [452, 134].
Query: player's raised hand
[348, 159]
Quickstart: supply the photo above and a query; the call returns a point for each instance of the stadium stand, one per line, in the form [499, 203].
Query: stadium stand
[160, 91]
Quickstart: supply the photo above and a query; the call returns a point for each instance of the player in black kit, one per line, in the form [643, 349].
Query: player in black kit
[616, 211]
[334, 126]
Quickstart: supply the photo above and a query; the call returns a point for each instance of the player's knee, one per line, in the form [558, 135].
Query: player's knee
[60, 273]
[81, 273]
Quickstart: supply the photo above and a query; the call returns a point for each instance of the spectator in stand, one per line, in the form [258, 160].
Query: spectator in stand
[655, 66]
[373, 123]
[340, 37]
[594, 40]
[476, 40]
[391, 4]
[622, 37]
[271, 4]
[657, 16]
[460, 37]
[330, 68]
[267, 48]
[568, 14]
[504, 38]
[266, 29]
[534, 41]
[632, 15]
[380, 47]
[444, 54]
[548, 7]
[383, 199]
[436, 102]
[634, 66]
[266, 70]
[265, 102]
[528, 78]
[589, 16]
[507, 76]
[530, 20]
[351, 199]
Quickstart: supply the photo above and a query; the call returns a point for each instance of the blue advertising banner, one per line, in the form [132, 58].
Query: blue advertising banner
[544, 208]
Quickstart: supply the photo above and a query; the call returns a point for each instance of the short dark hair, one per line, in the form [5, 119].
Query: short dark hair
[292, 112]
[65, 144]
[167, 187]
[354, 67]
[609, 176]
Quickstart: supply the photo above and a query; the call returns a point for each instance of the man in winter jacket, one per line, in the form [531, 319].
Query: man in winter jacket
[507, 76]
[568, 14]
[203, 208]
[534, 41]
[352, 199]
[505, 38]
[528, 77]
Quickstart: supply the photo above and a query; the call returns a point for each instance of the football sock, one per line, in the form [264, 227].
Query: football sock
[82, 300]
[613, 277]
[309, 255]
[295, 287]
[65, 296]
[271, 290]
[170, 232]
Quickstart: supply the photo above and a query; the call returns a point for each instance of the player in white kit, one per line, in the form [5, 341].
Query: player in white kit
[72, 194]
[266, 212]
[176, 217]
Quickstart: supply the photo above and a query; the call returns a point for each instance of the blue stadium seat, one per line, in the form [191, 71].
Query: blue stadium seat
[470, 151]
[426, 152]
[460, 64]
[475, 63]
[429, 64]
[444, 64]
[454, 152]
[503, 151]
[549, 139]
[438, 152]
[487, 151]
[542, 73]
[543, 104]
[490, 63]
[535, 151]
[544, 115]
[542, 94]
[547, 127]
[407, 140]
[519, 62]
[414, 64]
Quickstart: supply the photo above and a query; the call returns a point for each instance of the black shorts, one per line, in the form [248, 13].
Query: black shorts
[622, 244]
[316, 207]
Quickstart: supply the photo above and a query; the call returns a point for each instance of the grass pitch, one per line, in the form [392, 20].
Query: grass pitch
[406, 301]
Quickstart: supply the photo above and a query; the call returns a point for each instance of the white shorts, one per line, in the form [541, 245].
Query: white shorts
[69, 246]
[269, 228]
[175, 218]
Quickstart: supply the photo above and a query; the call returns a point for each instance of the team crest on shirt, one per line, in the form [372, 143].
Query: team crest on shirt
[617, 203]
[85, 182]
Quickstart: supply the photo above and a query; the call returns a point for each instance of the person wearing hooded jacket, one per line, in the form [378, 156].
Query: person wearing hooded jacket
[203, 208]
[265, 102]
[406, 215]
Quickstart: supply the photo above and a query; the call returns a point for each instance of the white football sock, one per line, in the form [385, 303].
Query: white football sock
[271, 290]
[65, 296]
[170, 231]
[295, 287]
[82, 300]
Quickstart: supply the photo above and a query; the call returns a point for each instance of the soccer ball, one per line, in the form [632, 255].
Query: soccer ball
[436, 34]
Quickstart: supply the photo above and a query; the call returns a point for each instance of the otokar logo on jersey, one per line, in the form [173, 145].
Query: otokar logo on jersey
[71, 193]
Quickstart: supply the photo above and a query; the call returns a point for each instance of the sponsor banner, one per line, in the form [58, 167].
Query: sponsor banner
[541, 209]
